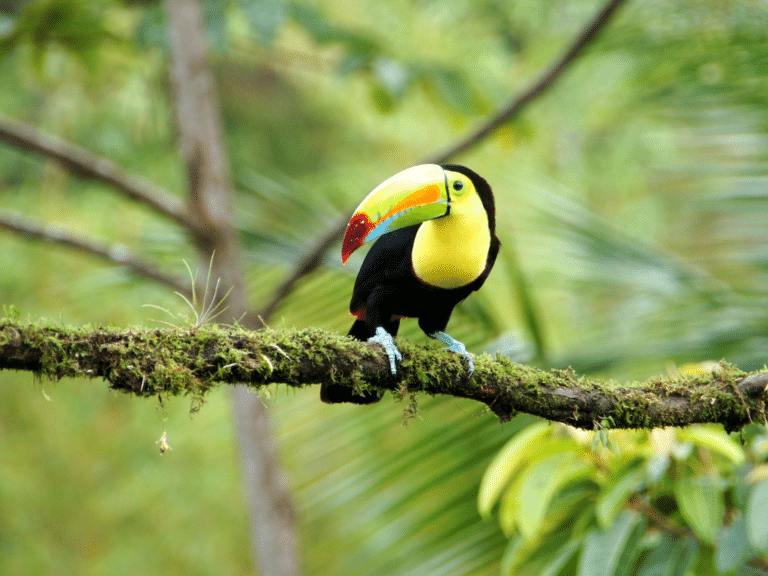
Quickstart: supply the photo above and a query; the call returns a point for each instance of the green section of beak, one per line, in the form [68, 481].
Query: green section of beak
[409, 197]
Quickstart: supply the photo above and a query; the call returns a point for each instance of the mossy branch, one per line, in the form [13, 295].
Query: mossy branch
[151, 362]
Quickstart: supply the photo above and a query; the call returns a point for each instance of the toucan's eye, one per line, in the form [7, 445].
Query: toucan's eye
[458, 186]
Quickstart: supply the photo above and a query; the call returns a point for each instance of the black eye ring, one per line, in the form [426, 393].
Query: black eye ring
[458, 186]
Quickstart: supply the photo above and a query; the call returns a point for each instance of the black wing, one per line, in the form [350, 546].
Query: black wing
[388, 263]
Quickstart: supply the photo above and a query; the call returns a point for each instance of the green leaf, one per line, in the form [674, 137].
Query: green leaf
[353, 62]
[741, 488]
[150, 27]
[573, 502]
[701, 503]
[453, 88]
[596, 441]
[509, 508]
[655, 468]
[382, 99]
[687, 552]
[732, 547]
[615, 495]
[392, 75]
[539, 485]
[659, 561]
[563, 557]
[214, 16]
[76, 24]
[716, 440]
[603, 549]
[632, 550]
[512, 555]
[757, 517]
[324, 31]
[506, 463]
[670, 557]
[319, 27]
[267, 17]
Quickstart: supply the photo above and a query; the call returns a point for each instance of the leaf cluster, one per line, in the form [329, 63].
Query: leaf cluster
[390, 77]
[75, 26]
[665, 502]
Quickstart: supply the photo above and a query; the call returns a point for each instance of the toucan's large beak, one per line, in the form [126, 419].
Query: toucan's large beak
[409, 197]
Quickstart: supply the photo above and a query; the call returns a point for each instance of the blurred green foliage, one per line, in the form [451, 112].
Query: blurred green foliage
[632, 210]
[661, 502]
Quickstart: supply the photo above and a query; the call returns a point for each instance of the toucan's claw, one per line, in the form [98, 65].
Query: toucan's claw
[385, 339]
[457, 347]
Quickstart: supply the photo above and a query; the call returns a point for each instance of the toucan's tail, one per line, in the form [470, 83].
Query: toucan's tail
[334, 393]
[361, 331]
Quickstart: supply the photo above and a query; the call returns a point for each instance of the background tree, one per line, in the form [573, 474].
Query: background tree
[634, 191]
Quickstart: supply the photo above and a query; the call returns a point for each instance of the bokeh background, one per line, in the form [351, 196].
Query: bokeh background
[632, 210]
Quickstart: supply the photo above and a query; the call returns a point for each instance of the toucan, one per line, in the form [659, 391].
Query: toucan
[435, 233]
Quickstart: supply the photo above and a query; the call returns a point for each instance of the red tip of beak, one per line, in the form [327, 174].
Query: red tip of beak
[357, 229]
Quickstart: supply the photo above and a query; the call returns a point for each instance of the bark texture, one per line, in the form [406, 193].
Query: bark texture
[151, 362]
[199, 123]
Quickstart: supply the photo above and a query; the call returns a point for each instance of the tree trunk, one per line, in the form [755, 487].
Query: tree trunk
[200, 134]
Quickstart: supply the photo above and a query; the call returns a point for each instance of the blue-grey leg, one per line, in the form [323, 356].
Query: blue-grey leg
[455, 346]
[385, 339]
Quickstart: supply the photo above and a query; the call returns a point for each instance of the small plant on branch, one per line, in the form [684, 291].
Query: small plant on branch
[208, 309]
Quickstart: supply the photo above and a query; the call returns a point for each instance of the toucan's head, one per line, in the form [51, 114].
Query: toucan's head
[413, 196]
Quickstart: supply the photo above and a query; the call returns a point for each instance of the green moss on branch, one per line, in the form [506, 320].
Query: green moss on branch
[151, 362]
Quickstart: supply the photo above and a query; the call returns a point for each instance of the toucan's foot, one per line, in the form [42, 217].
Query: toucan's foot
[456, 346]
[385, 339]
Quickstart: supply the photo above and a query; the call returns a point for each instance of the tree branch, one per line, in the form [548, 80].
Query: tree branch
[311, 259]
[151, 362]
[513, 107]
[117, 253]
[89, 165]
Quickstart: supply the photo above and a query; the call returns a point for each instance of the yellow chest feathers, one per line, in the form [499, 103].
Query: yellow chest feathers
[451, 252]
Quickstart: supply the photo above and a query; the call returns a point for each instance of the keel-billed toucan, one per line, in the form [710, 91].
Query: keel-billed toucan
[435, 232]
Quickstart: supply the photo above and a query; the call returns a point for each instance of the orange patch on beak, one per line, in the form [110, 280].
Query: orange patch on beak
[420, 197]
